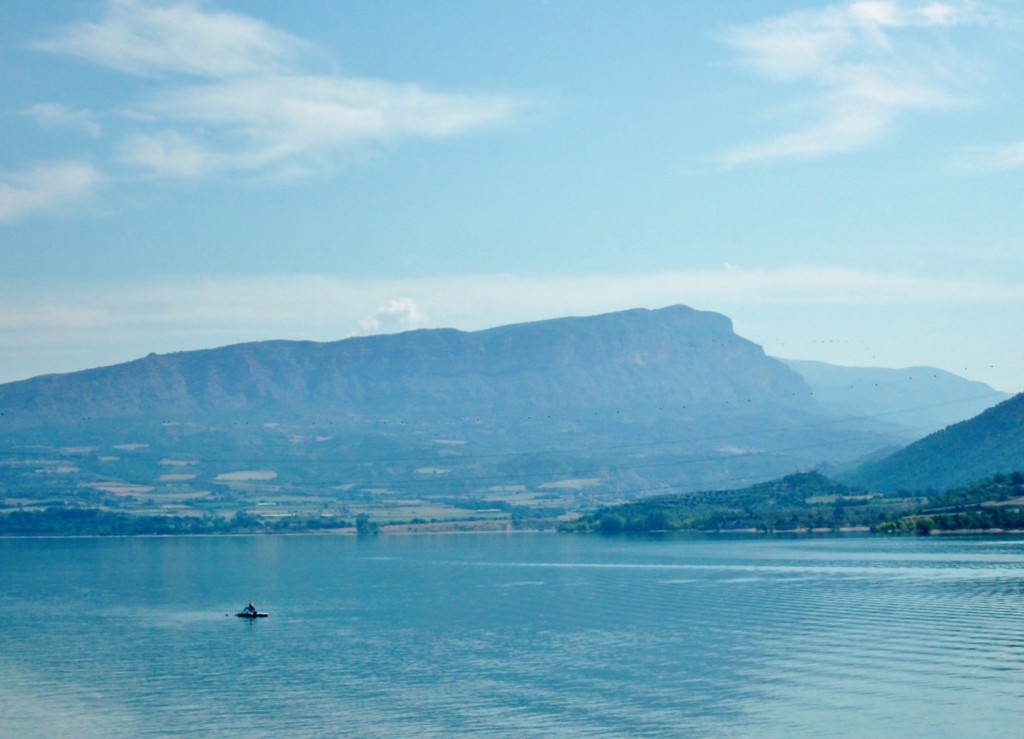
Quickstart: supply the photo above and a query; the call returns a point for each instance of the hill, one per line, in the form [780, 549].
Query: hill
[990, 443]
[549, 415]
[992, 504]
[803, 501]
[921, 399]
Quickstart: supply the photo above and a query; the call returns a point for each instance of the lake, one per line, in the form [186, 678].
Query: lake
[519, 634]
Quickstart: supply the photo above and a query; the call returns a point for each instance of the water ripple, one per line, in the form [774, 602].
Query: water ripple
[520, 636]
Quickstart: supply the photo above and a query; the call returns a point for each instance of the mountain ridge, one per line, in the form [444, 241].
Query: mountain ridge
[627, 403]
[629, 349]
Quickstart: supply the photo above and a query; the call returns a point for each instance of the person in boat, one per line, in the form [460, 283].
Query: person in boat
[250, 608]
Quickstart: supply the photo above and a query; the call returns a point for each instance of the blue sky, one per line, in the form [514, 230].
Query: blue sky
[843, 180]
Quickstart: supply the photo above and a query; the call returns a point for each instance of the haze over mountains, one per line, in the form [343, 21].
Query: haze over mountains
[623, 404]
[923, 399]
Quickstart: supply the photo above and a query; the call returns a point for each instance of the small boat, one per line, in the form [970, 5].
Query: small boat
[250, 612]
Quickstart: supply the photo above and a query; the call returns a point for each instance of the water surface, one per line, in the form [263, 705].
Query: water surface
[513, 635]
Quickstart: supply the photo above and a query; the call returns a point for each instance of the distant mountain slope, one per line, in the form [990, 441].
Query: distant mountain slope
[988, 444]
[923, 399]
[635, 361]
[637, 400]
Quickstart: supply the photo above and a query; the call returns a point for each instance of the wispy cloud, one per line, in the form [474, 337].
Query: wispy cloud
[150, 39]
[57, 115]
[232, 94]
[291, 125]
[858, 68]
[44, 188]
[992, 158]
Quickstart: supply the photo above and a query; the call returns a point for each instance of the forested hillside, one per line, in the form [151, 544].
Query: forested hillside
[804, 501]
[988, 444]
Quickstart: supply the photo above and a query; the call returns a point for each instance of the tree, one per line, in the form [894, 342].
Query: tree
[612, 523]
[366, 527]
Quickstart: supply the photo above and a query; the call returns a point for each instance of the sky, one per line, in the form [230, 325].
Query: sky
[845, 181]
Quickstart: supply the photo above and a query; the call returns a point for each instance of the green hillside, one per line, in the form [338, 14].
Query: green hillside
[988, 444]
[796, 502]
[996, 502]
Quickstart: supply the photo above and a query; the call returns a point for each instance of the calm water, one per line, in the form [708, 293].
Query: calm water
[513, 635]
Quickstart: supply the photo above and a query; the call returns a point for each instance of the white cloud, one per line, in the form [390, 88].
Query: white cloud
[44, 188]
[171, 154]
[263, 104]
[399, 314]
[146, 38]
[866, 64]
[280, 123]
[57, 115]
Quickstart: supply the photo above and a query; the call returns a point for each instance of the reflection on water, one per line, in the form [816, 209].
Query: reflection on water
[513, 635]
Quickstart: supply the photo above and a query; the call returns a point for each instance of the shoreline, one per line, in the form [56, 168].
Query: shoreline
[859, 530]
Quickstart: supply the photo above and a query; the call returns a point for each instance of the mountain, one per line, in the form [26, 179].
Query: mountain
[597, 408]
[990, 443]
[640, 360]
[922, 399]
